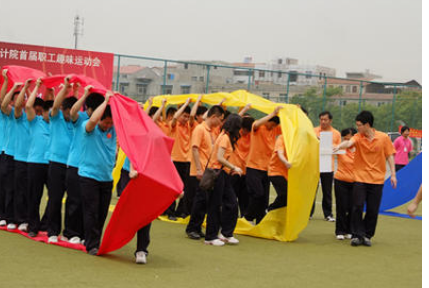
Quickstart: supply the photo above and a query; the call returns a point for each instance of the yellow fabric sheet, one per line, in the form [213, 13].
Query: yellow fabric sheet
[303, 152]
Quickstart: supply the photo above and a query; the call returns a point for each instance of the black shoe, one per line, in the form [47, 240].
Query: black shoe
[367, 242]
[172, 218]
[182, 215]
[93, 252]
[202, 235]
[32, 234]
[194, 235]
[356, 242]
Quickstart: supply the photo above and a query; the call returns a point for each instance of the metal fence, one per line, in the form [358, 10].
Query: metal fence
[393, 104]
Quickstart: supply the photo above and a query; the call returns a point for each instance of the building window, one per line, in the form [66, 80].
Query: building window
[123, 87]
[343, 102]
[141, 89]
[280, 61]
[379, 104]
[354, 89]
[194, 78]
[201, 78]
[266, 95]
[261, 74]
[307, 74]
[170, 76]
[283, 95]
[279, 75]
[241, 73]
[347, 89]
[293, 77]
[168, 89]
[186, 89]
[185, 65]
[124, 76]
[272, 74]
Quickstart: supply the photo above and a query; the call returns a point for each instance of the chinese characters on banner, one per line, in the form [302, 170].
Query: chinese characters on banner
[51, 60]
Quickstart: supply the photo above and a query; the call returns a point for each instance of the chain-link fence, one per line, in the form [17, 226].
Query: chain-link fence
[313, 87]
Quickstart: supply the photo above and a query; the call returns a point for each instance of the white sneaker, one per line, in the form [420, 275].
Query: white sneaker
[228, 240]
[63, 238]
[23, 227]
[11, 226]
[348, 236]
[340, 237]
[82, 242]
[330, 219]
[3, 223]
[141, 257]
[53, 239]
[215, 242]
[74, 240]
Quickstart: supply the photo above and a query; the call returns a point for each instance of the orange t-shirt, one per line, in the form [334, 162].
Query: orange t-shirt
[216, 132]
[182, 141]
[345, 166]
[277, 168]
[202, 139]
[239, 155]
[262, 143]
[164, 126]
[336, 139]
[224, 142]
[370, 157]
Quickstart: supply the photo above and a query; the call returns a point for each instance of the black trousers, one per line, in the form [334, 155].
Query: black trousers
[399, 167]
[222, 208]
[326, 180]
[56, 189]
[9, 188]
[183, 170]
[240, 188]
[122, 183]
[96, 198]
[369, 194]
[21, 192]
[2, 181]
[199, 208]
[37, 179]
[73, 220]
[191, 191]
[258, 186]
[344, 203]
[280, 185]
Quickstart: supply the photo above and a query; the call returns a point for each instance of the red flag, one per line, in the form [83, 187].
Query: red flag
[158, 183]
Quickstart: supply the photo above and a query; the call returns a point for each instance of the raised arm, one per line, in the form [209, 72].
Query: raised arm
[245, 109]
[61, 96]
[97, 114]
[5, 84]
[220, 104]
[19, 102]
[179, 112]
[149, 105]
[74, 112]
[29, 106]
[6, 101]
[156, 116]
[265, 119]
[194, 110]
[344, 145]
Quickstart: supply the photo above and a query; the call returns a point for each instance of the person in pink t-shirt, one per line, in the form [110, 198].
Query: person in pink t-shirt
[403, 147]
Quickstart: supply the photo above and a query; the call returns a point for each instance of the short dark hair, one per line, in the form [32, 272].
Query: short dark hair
[247, 123]
[216, 110]
[201, 110]
[171, 111]
[152, 111]
[187, 110]
[275, 119]
[326, 113]
[404, 128]
[48, 105]
[107, 113]
[69, 102]
[94, 100]
[365, 117]
[348, 131]
[226, 115]
[38, 102]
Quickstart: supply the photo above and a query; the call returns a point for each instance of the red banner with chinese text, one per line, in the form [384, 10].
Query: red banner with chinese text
[51, 60]
[414, 133]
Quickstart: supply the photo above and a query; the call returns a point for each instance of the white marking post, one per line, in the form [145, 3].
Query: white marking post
[326, 152]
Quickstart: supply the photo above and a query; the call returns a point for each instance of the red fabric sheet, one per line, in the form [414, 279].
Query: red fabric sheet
[56, 80]
[158, 183]
[20, 74]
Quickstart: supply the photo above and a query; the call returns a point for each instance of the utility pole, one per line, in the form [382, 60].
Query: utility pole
[78, 30]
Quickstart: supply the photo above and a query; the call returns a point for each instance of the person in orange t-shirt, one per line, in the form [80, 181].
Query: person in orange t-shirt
[278, 173]
[162, 122]
[222, 205]
[327, 178]
[181, 127]
[201, 146]
[373, 148]
[238, 158]
[343, 184]
[262, 140]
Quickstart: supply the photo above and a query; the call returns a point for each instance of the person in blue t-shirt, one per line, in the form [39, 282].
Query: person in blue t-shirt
[73, 229]
[61, 135]
[7, 109]
[37, 111]
[95, 170]
[22, 130]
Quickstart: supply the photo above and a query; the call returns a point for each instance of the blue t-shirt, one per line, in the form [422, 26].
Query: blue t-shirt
[22, 131]
[10, 135]
[39, 141]
[76, 145]
[61, 132]
[98, 154]
[2, 128]
[126, 165]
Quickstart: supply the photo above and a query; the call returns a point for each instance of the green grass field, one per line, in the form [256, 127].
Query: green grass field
[316, 259]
